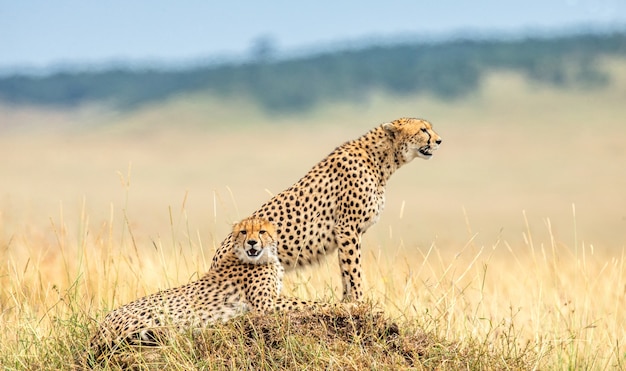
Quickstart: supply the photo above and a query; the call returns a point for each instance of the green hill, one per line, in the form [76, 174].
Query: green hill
[447, 69]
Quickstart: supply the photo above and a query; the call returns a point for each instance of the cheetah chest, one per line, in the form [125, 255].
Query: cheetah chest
[376, 208]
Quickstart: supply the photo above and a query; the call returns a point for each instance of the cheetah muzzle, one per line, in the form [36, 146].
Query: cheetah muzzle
[251, 251]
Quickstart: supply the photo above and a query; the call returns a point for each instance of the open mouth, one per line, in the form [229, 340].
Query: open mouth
[253, 253]
[425, 151]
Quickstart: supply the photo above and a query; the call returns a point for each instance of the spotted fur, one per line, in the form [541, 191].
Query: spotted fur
[247, 278]
[331, 207]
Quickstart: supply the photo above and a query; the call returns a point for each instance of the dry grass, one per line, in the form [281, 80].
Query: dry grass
[541, 305]
[93, 217]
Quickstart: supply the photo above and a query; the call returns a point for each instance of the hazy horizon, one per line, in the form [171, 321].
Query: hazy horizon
[39, 37]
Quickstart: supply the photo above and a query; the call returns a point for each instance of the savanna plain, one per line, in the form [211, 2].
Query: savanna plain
[504, 251]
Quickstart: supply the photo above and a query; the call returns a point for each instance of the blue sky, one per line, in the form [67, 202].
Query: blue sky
[43, 34]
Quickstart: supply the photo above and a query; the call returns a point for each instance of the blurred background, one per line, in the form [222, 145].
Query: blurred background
[180, 118]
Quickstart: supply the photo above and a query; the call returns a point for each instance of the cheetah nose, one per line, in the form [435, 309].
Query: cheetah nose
[438, 141]
[251, 242]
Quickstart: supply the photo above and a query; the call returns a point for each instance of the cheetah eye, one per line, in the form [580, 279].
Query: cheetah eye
[243, 232]
[424, 130]
[261, 231]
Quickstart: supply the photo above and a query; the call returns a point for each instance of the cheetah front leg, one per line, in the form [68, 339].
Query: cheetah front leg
[349, 253]
[284, 303]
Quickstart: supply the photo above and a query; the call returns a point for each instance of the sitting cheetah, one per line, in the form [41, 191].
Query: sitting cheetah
[341, 197]
[249, 277]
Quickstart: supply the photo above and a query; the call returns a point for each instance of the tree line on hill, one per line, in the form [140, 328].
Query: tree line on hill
[448, 69]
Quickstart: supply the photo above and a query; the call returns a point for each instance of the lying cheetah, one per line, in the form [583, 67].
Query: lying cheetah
[247, 278]
[341, 197]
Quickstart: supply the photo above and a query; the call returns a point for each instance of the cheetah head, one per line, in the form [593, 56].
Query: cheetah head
[254, 241]
[412, 138]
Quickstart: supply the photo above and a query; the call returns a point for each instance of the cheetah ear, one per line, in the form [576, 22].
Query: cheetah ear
[390, 128]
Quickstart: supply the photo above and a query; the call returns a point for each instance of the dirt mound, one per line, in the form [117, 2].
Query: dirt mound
[358, 338]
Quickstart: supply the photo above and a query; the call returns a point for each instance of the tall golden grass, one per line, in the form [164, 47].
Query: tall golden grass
[513, 235]
[562, 302]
